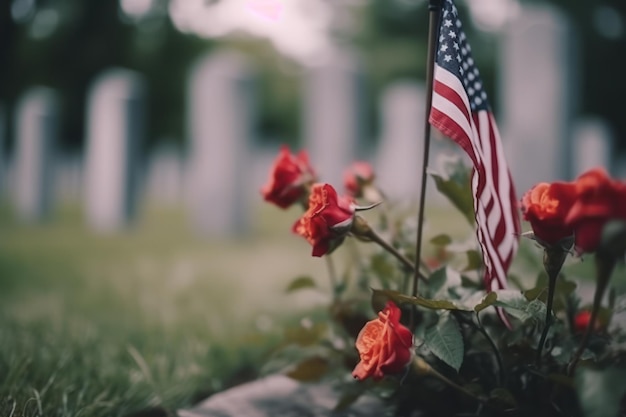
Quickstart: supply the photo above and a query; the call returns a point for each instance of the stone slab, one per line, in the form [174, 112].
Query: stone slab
[281, 396]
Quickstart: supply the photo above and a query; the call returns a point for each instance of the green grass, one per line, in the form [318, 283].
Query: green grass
[156, 317]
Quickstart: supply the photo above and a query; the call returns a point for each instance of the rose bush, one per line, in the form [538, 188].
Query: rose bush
[443, 351]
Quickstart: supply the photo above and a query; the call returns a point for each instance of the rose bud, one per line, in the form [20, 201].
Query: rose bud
[545, 206]
[356, 177]
[327, 221]
[384, 345]
[289, 179]
[600, 199]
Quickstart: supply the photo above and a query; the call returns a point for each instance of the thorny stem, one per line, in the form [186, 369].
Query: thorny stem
[548, 321]
[423, 368]
[479, 326]
[604, 268]
[553, 258]
[371, 234]
[495, 349]
[332, 276]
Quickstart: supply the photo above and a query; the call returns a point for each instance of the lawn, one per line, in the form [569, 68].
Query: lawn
[152, 318]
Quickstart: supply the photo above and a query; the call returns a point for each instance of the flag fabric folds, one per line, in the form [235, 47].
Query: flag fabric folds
[461, 111]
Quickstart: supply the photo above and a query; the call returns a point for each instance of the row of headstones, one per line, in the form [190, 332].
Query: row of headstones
[223, 171]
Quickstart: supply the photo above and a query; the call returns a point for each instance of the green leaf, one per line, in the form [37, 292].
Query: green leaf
[441, 240]
[350, 394]
[437, 280]
[311, 369]
[399, 298]
[384, 269]
[474, 260]
[442, 281]
[562, 290]
[502, 397]
[300, 283]
[517, 305]
[487, 301]
[600, 391]
[457, 190]
[445, 341]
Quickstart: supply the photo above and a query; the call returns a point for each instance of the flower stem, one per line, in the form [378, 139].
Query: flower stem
[375, 237]
[604, 268]
[332, 276]
[553, 259]
[495, 349]
[423, 368]
[548, 321]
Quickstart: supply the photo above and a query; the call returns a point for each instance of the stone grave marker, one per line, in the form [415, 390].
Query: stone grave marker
[3, 127]
[221, 122]
[164, 175]
[36, 124]
[593, 146]
[114, 135]
[538, 98]
[400, 151]
[332, 111]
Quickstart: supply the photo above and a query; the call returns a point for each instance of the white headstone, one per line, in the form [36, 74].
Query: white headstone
[3, 168]
[333, 120]
[115, 129]
[619, 167]
[593, 146]
[164, 175]
[401, 150]
[537, 71]
[69, 177]
[221, 118]
[36, 125]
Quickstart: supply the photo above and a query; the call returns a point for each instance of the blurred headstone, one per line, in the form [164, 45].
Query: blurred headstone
[537, 83]
[620, 166]
[401, 150]
[333, 113]
[221, 118]
[36, 122]
[164, 175]
[69, 177]
[115, 129]
[593, 146]
[3, 168]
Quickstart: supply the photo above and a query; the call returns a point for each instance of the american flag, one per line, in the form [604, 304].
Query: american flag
[460, 110]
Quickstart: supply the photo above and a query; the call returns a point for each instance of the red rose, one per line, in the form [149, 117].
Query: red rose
[360, 173]
[384, 345]
[288, 179]
[545, 206]
[327, 221]
[600, 199]
[582, 319]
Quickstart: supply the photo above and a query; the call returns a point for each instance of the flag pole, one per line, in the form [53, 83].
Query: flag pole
[434, 7]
